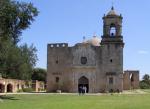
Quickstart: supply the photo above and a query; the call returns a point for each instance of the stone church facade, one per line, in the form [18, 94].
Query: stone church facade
[96, 64]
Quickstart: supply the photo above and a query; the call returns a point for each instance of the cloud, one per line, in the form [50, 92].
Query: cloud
[143, 52]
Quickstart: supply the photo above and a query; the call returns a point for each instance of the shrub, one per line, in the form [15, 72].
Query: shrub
[27, 90]
[144, 85]
[20, 90]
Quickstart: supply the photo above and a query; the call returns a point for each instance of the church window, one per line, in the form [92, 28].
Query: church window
[111, 80]
[83, 60]
[57, 79]
[56, 61]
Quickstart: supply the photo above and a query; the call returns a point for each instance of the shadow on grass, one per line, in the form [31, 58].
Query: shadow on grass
[4, 97]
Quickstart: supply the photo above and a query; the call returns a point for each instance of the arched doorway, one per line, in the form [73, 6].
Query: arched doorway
[9, 88]
[131, 81]
[83, 82]
[2, 88]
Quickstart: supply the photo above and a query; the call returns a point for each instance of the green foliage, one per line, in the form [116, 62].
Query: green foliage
[39, 74]
[145, 83]
[20, 90]
[14, 18]
[29, 54]
[146, 77]
[16, 61]
[27, 90]
[29, 59]
[8, 57]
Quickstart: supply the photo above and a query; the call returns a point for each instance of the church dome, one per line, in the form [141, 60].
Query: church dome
[112, 12]
[95, 41]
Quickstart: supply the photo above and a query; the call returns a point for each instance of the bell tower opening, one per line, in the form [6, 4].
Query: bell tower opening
[112, 30]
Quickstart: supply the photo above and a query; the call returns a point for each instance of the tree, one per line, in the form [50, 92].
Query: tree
[146, 77]
[5, 48]
[14, 18]
[39, 74]
[28, 61]
[145, 83]
[16, 61]
[29, 54]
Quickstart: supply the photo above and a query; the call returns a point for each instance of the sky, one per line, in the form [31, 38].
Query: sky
[69, 20]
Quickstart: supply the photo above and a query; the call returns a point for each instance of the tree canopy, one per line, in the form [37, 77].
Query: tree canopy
[39, 74]
[16, 61]
[145, 83]
[14, 18]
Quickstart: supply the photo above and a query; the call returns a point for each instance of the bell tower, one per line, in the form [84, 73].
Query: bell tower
[112, 51]
[112, 27]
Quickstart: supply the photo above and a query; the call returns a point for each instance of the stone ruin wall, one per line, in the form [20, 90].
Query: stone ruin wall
[14, 85]
[131, 79]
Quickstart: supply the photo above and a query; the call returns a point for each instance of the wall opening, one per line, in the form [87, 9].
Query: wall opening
[57, 79]
[9, 88]
[2, 88]
[18, 86]
[132, 80]
[113, 30]
[111, 80]
[56, 61]
[83, 84]
[111, 60]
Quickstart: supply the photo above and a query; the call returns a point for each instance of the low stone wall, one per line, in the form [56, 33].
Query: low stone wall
[14, 85]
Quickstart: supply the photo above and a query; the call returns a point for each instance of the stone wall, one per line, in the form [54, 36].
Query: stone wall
[38, 86]
[65, 67]
[112, 63]
[14, 85]
[59, 60]
[131, 79]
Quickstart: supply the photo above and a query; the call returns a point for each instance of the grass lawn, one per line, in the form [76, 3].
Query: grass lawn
[58, 101]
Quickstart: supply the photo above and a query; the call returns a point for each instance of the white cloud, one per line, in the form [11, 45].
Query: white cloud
[143, 52]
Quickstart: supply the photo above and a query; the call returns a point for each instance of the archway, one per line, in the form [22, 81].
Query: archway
[113, 30]
[2, 88]
[9, 88]
[83, 82]
[132, 81]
